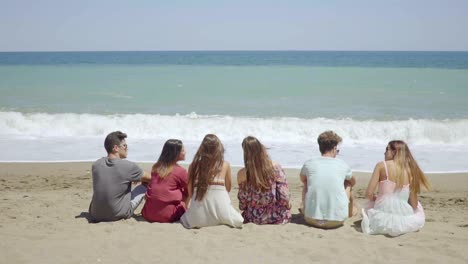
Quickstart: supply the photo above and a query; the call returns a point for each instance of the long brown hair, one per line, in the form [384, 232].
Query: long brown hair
[169, 156]
[406, 166]
[206, 164]
[258, 165]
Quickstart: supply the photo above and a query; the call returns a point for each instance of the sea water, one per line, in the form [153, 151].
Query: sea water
[59, 106]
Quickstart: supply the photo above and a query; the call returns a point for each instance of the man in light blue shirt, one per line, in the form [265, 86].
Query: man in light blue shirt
[327, 199]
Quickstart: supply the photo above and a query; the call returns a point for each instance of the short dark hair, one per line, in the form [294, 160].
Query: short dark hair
[114, 138]
[327, 141]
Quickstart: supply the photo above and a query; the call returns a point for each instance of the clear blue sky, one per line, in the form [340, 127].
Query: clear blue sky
[48, 25]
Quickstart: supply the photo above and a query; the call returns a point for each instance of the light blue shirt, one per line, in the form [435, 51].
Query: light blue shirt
[326, 198]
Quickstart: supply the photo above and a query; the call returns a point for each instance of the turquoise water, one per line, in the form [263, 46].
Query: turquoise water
[259, 91]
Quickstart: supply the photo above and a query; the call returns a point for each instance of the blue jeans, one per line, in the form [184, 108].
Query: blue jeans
[137, 195]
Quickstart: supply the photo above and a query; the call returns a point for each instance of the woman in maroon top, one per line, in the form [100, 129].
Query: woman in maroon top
[167, 192]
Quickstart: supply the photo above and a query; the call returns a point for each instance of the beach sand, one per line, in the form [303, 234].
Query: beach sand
[44, 220]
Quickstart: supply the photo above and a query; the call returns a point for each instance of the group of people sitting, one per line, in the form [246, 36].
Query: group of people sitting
[199, 197]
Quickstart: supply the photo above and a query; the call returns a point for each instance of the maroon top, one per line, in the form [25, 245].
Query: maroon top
[164, 197]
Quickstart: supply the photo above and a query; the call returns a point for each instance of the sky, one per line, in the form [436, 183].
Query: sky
[99, 25]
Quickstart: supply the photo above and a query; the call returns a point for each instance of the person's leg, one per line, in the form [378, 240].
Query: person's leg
[137, 195]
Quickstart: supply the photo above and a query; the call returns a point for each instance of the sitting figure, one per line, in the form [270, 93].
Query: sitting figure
[167, 192]
[208, 186]
[263, 190]
[327, 193]
[113, 198]
[395, 210]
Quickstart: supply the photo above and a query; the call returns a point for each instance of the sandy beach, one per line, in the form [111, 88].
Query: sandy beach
[44, 220]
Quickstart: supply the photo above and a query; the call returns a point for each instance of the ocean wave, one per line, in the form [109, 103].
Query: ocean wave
[193, 127]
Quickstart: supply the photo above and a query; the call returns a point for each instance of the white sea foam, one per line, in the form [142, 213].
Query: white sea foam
[193, 127]
[438, 145]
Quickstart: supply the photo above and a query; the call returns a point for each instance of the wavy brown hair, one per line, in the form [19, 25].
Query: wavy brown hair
[406, 166]
[258, 165]
[206, 164]
[169, 156]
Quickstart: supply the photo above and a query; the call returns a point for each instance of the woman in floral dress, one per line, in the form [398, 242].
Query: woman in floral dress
[264, 196]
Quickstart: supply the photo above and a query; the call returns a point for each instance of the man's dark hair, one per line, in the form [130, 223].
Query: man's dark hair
[114, 138]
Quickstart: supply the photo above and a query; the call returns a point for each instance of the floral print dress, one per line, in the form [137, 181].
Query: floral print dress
[269, 207]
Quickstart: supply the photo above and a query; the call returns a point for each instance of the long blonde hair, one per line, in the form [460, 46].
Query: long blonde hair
[168, 158]
[406, 166]
[258, 165]
[207, 163]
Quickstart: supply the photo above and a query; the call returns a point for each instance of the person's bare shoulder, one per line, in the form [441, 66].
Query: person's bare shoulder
[380, 164]
[241, 175]
[226, 165]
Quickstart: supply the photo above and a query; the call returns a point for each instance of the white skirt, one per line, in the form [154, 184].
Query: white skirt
[392, 216]
[214, 209]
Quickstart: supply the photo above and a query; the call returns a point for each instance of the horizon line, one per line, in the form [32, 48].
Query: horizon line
[228, 50]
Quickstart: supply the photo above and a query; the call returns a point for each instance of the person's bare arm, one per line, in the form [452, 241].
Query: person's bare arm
[413, 200]
[241, 177]
[370, 191]
[227, 178]
[189, 189]
[189, 196]
[303, 179]
[351, 182]
[304, 191]
[146, 177]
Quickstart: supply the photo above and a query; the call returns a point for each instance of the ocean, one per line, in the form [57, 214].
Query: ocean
[59, 106]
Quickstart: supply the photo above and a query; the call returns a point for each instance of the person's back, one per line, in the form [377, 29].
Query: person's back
[215, 208]
[395, 210]
[389, 173]
[111, 188]
[391, 213]
[263, 195]
[271, 206]
[209, 187]
[165, 196]
[113, 198]
[327, 193]
[387, 181]
[325, 189]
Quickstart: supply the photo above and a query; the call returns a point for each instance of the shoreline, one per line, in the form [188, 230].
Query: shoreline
[187, 164]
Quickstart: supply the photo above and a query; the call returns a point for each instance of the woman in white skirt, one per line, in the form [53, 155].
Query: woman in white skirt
[395, 210]
[209, 186]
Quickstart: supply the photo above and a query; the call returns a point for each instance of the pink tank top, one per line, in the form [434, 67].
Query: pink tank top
[387, 186]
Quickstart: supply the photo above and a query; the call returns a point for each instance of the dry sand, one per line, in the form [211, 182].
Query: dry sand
[44, 208]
